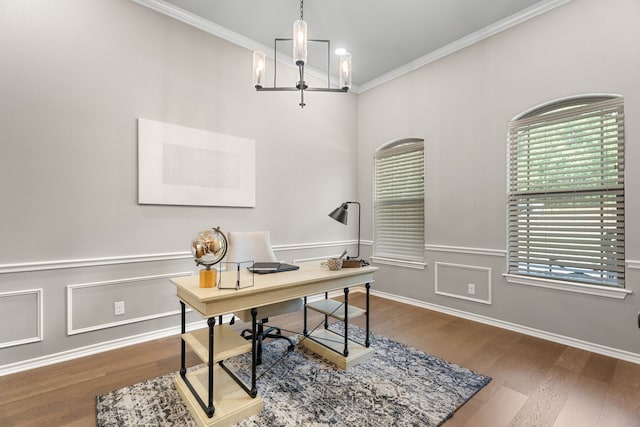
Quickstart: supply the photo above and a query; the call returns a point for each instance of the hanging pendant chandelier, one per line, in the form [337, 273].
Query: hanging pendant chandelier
[300, 41]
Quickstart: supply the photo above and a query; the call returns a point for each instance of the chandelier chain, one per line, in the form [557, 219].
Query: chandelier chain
[301, 17]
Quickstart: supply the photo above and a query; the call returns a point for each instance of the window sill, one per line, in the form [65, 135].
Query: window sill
[600, 291]
[399, 263]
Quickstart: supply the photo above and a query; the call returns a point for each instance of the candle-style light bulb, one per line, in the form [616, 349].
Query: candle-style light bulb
[259, 66]
[299, 42]
[345, 71]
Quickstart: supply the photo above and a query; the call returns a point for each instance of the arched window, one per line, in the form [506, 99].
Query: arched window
[566, 192]
[398, 205]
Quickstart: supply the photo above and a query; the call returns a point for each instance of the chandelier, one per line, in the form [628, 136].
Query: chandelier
[300, 41]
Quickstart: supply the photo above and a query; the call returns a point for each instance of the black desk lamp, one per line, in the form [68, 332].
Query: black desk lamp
[340, 214]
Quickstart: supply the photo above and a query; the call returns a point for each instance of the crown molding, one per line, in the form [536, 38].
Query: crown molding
[471, 39]
[219, 31]
[200, 23]
[210, 27]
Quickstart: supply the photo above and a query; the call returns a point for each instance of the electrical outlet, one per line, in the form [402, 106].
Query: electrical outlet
[471, 289]
[118, 308]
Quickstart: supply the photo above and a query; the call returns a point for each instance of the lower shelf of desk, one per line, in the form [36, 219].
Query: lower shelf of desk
[357, 352]
[231, 402]
[226, 343]
[335, 309]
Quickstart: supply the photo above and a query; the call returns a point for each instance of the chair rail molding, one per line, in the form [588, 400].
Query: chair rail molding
[318, 245]
[633, 264]
[24, 267]
[466, 250]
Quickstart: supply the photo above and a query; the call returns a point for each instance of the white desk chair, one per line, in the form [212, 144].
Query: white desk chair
[256, 246]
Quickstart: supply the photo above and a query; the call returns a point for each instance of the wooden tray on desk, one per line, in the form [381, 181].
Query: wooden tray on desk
[351, 263]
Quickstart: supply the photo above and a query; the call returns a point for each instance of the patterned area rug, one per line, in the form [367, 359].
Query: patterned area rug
[398, 385]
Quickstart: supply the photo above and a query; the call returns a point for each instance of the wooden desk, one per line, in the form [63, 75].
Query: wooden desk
[231, 400]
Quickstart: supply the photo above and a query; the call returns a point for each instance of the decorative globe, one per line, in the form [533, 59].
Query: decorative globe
[209, 247]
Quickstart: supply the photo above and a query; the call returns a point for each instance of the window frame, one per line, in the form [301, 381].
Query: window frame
[386, 151]
[539, 116]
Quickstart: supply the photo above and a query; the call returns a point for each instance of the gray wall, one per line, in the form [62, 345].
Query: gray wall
[460, 105]
[74, 77]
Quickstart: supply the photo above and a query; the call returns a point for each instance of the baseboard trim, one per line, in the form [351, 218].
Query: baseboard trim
[64, 356]
[549, 336]
[89, 350]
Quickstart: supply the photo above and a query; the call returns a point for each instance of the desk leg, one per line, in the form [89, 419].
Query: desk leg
[326, 317]
[366, 340]
[211, 409]
[254, 351]
[345, 353]
[183, 329]
[305, 331]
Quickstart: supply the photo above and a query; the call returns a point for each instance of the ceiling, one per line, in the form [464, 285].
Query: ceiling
[385, 37]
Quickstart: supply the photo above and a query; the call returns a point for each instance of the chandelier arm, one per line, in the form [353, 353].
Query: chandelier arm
[275, 61]
[277, 89]
[295, 89]
[328, 64]
[325, 89]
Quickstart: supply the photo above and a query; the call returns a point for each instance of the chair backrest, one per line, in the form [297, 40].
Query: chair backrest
[249, 246]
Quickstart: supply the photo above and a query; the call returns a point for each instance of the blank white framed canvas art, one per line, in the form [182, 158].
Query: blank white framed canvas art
[179, 165]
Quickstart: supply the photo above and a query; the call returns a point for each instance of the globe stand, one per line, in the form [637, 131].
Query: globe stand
[209, 248]
[208, 277]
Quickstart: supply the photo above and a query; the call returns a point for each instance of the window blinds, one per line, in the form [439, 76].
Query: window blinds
[398, 219]
[566, 193]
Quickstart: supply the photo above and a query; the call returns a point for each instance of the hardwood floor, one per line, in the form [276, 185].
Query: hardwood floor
[535, 382]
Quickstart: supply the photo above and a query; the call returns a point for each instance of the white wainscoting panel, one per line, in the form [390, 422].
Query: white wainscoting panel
[72, 330]
[452, 280]
[12, 316]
